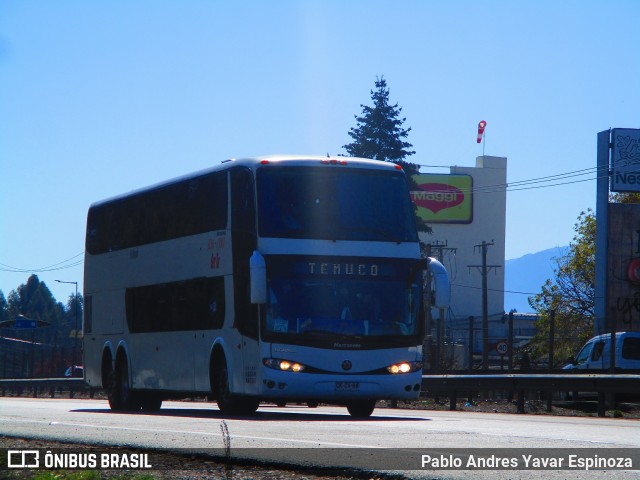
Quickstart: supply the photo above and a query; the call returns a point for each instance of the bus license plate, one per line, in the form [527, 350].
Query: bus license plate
[347, 386]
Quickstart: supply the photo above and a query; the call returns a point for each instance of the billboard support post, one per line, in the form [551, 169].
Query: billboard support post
[602, 213]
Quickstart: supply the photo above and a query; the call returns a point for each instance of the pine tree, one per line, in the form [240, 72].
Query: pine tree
[379, 133]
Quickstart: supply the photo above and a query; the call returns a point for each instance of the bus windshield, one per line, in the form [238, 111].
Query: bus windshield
[334, 204]
[321, 301]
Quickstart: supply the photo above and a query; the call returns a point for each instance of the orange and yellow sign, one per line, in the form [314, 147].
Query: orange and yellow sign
[444, 198]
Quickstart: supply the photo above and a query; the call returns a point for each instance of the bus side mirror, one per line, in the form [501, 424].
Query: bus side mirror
[440, 279]
[258, 278]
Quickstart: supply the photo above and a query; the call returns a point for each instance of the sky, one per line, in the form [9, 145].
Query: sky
[100, 98]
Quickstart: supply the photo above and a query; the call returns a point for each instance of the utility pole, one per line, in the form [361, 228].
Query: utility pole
[484, 270]
[510, 341]
[440, 248]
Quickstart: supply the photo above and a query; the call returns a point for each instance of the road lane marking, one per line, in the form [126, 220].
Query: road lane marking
[293, 441]
[195, 432]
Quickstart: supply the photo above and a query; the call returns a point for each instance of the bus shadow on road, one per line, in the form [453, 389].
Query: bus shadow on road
[302, 414]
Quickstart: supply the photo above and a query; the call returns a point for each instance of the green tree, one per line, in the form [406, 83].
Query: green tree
[379, 133]
[73, 315]
[571, 295]
[51, 347]
[35, 300]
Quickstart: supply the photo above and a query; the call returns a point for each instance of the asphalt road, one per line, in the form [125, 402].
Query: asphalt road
[327, 430]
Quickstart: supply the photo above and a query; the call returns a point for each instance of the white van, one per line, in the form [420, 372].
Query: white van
[596, 354]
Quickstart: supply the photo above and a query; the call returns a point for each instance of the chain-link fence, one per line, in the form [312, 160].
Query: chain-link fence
[30, 359]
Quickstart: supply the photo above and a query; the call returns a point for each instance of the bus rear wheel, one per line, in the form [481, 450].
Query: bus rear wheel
[361, 408]
[119, 392]
[228, 402]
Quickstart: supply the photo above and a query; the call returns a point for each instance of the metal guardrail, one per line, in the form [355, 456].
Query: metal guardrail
[603, 384]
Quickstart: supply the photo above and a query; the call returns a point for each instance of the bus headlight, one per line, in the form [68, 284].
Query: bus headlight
[283, 365]
[405, 367]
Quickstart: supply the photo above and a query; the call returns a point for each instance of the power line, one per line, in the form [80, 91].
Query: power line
[552, 185]
[494, 289]
[63, 265]
[534, 183]
[538, 182]
[524, 184]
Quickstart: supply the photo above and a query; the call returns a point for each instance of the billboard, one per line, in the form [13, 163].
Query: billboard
[623, 268]
[444, 198]
[625, 160]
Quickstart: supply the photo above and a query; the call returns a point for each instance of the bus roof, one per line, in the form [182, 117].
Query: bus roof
[254, 162]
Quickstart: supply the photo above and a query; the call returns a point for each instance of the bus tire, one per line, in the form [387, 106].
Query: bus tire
[361, 408]
[119, 393]
[229, 403]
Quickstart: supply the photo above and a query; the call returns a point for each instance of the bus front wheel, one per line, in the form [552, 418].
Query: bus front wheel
[227, 401]
[361, 408]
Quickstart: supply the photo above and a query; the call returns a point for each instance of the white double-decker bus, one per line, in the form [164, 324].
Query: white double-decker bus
[280, 279]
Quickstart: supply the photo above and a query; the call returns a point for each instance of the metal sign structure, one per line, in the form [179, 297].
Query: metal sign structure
[625, 160]
[23, 322]
[617, 285]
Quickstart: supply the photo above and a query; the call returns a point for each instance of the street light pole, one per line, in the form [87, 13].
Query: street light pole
[75, 342]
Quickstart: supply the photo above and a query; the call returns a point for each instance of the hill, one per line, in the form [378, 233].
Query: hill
[526, 275]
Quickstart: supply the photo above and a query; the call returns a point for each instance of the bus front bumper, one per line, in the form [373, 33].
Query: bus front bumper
[307, 386]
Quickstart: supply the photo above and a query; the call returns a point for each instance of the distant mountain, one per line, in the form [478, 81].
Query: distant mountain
[527, 275]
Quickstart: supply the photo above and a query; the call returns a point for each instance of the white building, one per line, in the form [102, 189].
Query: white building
[465, 209]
